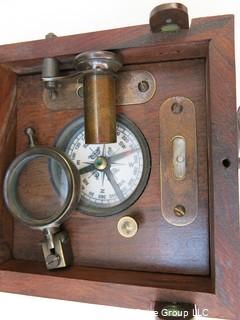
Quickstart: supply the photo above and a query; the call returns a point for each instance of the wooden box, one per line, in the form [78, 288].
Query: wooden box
[196, 264]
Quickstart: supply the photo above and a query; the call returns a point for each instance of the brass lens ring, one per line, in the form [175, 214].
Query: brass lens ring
[10, 188]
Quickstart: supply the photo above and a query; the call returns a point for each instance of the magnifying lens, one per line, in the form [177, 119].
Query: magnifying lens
[32, 197]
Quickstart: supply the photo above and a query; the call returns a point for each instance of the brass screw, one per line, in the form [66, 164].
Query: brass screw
[143, 86]
[179, 211]
[53, 260]
[177, 108]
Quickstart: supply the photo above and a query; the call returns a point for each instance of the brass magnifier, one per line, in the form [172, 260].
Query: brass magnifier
[31, 197]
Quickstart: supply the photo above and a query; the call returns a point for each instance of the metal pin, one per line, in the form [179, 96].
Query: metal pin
[31, 137]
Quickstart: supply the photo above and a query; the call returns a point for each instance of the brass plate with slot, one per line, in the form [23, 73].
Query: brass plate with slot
[133, 87]
[178, 161]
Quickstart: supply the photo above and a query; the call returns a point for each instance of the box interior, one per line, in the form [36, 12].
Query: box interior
[160, 252]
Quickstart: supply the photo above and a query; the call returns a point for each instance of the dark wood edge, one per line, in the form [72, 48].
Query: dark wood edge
[103, 286]
[113, 276]
[149, 54]
[224, 210]
[30, 54]
[7, 153]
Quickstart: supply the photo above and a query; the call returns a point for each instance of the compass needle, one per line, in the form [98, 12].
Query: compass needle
[113, 175]
[114, 184]
[87, 169]
[122, 155]
[104, 150]
[103, 177]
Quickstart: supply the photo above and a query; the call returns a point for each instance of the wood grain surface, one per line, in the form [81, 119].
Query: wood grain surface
[158, 245]
[7, 153]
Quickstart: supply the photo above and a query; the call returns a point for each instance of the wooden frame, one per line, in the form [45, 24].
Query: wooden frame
[209, 38]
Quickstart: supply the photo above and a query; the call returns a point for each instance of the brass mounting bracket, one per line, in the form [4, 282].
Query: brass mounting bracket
[133, 87]
[178, 161]
[57, 249]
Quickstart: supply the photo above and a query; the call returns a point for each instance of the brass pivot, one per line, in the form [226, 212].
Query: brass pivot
[101, 163]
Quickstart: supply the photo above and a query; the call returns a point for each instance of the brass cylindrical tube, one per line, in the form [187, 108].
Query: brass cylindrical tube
[99, 69]
[100, 108]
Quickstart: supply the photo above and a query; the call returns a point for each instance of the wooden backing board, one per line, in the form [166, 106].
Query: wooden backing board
[158, 246]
